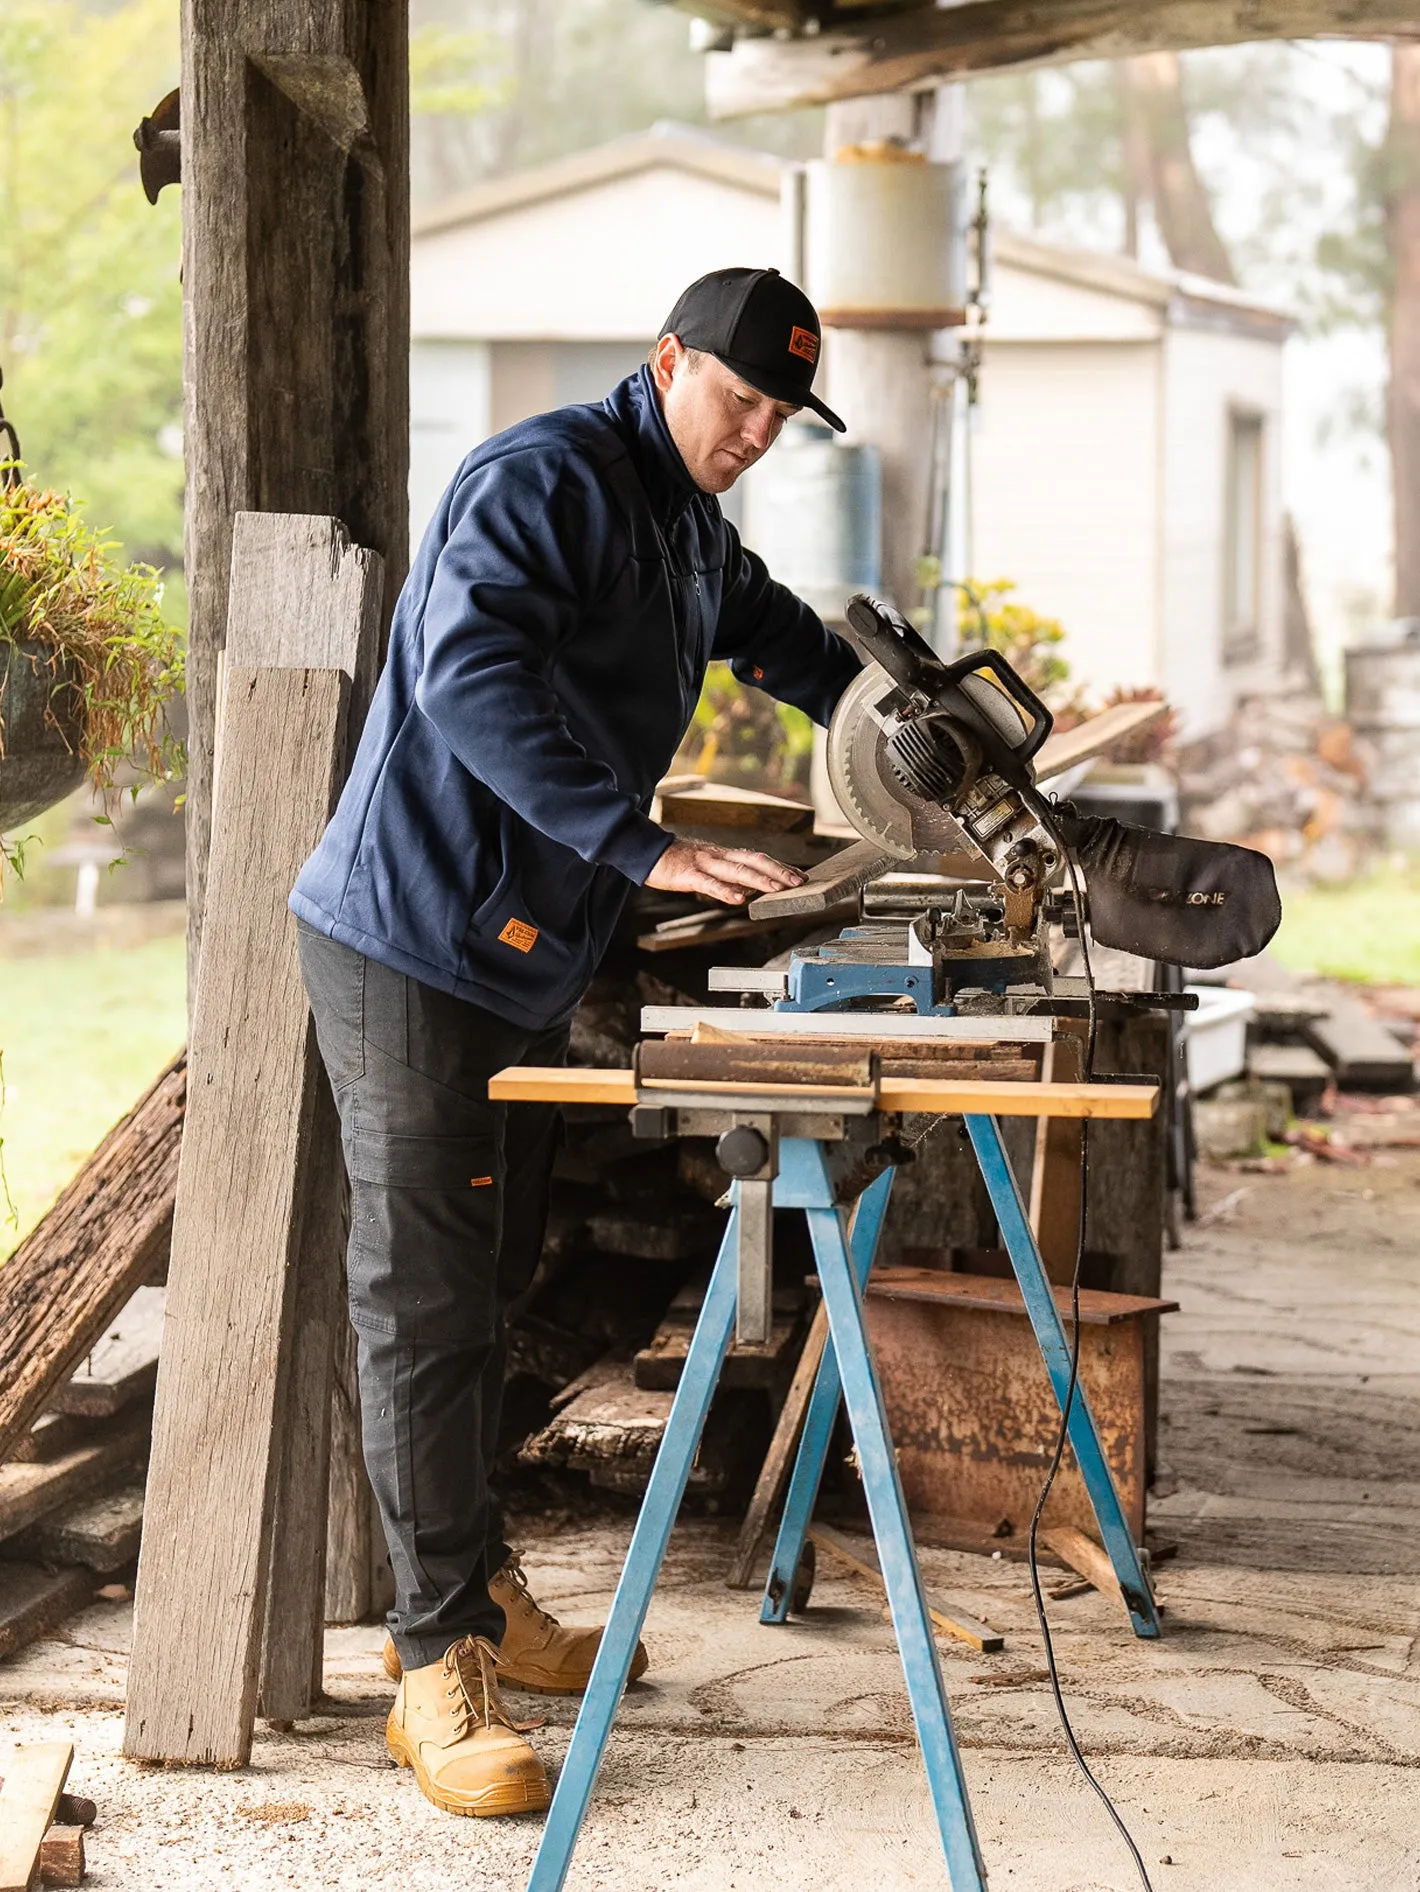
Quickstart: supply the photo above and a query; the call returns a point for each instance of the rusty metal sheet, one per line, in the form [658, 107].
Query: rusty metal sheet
[974, 1419]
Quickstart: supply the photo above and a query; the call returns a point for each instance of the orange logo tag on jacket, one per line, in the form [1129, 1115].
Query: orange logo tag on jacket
[803, 342]
[518, 933]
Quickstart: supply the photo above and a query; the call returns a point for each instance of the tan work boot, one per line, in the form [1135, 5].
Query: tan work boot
[449, 1725]
[537, 1653]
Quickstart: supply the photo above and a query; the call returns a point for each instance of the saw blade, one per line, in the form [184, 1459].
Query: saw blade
[857, 768]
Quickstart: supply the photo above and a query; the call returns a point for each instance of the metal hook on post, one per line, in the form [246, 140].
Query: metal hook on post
[9, 461]
[159, 144]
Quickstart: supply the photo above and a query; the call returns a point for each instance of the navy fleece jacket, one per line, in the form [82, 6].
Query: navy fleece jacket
[546, 656]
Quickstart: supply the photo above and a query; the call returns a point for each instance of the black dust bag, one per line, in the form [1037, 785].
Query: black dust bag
[1168, 896]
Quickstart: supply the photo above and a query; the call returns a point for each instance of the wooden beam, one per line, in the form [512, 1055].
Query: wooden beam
[920, 46]
[863, 1559]
[1096, 736]
[565, 1084]
[295, 185]
[230, 1342]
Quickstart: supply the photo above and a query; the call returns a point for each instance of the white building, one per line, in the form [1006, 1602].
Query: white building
[1125, 463]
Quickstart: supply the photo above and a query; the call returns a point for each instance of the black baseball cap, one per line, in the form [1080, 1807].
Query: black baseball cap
[763, 327]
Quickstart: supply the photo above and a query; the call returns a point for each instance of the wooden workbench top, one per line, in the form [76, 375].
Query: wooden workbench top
[577, 1084]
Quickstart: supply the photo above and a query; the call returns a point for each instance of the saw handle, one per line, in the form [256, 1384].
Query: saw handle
[912, 664]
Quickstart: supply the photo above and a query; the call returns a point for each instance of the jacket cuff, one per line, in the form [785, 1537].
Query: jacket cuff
[634, 846]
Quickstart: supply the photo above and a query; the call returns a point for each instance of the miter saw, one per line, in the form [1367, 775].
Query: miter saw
[932, 764]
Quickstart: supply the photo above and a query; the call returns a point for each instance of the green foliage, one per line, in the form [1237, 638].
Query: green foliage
[101, 622]
[454, 73]
[740, 735]
[1030, 643]
[90, 301]
[1367, 931]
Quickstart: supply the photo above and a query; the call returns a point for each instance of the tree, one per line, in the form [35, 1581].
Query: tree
[1158, 158]
[90, 302]
[1402, 217]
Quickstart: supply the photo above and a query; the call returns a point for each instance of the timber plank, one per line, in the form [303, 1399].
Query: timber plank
[945, 1616]
[33, 1600]
[108, 1231]
[33, 1781]
[103, 1533]
[229, 1343]
[28, 1491]
[567, 1084]
[123, 1364]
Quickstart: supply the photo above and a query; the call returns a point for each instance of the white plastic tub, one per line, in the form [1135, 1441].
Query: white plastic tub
[1215, 1036]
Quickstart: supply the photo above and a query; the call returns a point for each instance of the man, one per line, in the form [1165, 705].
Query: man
[546, 656]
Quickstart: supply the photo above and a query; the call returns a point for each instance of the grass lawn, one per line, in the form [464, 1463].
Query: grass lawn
[82, 1034]
[1368, 931]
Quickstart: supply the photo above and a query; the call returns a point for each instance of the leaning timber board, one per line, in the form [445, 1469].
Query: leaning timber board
[228, 1342]
[583, 1085]
[33, 1781]
[30, 1490]
[106, 1234]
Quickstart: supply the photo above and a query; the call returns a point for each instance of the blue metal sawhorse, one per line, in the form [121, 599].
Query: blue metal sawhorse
[847, 1368]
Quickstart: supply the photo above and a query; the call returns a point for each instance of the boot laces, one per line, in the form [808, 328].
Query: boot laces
[471, 1665]
[515, 1577]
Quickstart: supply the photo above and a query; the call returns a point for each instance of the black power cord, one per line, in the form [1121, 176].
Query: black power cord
[1042, 810]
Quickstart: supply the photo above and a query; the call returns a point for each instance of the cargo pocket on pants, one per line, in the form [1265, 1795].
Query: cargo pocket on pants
[426, 1222]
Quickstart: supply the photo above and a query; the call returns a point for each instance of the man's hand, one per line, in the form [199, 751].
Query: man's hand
[730, 874]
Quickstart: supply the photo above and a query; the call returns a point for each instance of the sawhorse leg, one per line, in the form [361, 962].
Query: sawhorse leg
[1049, 1329]
[643, 1563]
[804, 1182]
[819, 1420]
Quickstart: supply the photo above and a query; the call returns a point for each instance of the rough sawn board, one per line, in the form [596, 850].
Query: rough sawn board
[229, 1336]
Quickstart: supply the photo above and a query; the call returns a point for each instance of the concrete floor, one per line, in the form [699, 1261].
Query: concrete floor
[1270, 1742]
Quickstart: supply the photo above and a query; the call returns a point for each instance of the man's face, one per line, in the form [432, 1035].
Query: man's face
[720, 424]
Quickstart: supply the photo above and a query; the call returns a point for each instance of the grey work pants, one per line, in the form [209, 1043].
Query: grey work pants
[449, 1200]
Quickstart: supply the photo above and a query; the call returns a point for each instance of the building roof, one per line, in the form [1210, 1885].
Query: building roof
[1180, 294]
[666, 146]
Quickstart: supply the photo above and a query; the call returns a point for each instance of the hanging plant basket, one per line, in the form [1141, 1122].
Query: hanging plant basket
[42, 711]
[87, 662]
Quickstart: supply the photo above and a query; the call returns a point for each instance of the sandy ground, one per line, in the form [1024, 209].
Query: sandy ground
[1269, 1743]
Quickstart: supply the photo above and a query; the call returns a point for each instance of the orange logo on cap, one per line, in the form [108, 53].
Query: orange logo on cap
[518, 933]
[804, 343]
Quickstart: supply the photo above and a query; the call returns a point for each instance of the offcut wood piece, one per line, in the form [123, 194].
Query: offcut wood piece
[901, 51]
[303, 596]
[1096, 736]
[778, 1461]
[29, 1491]
[61, 1856]
[825, 885]
[971, 1406]
[33, 1779]
[122, 1366]
[569, 1085]
[946, 1616]
[1080, 1551]
[33, 1600]
[102, 1533]
[235, 1291]
[109, 1230]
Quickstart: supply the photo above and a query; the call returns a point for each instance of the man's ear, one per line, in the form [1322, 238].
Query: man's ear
[666, 357]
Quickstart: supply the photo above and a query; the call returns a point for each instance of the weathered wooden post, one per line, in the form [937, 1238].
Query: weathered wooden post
[295, 181]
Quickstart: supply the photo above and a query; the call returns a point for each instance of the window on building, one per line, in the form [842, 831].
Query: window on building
[1242, 548]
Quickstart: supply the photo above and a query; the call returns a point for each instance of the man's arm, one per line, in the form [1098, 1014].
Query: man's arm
[774, 641]
[509, 585]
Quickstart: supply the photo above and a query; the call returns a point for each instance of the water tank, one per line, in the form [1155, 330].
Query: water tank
[883, 240]
[1383, 707]
[813, 512]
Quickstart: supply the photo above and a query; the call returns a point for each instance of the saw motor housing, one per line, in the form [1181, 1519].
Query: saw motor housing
[929, 756]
